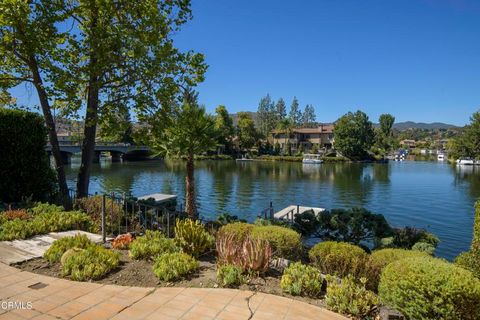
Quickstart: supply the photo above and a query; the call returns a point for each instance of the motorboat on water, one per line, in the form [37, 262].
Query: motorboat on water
[441, 157]
[309, 158]
[466, 162]
[244, 158]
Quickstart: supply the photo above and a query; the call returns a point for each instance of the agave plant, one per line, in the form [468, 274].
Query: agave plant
[256, 254]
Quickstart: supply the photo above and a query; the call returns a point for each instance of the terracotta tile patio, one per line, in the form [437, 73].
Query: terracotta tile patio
[62, 299]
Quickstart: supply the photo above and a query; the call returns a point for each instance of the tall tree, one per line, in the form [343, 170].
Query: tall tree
[308, 116]
[266, 115]
[280, 110]
[354, 135]
[384, 133]
[246, 132]
[286, 126]
[224, 127]
[185, 131]
[295, 114]
[117, 127]
[467, 144]
[30, 50]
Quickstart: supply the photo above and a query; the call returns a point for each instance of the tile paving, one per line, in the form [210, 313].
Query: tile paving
[53, 298]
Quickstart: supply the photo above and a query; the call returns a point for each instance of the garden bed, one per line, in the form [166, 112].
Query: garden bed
[138, 273]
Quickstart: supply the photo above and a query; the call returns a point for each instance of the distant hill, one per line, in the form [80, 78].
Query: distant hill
[421, 125]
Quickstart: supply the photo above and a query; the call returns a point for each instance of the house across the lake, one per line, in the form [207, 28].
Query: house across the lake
[305, 138]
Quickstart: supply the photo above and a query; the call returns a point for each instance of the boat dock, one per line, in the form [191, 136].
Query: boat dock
[291, 211]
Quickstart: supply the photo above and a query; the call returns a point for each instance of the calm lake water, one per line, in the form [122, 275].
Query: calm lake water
[432, 195]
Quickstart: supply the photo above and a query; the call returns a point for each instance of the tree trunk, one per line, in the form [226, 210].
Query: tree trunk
[91, 115]
[190, 206]
[52, 133]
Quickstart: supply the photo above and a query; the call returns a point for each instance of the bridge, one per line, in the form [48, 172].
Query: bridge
[118, 151]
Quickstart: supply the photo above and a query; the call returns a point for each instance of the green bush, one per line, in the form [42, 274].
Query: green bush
[424, 247]
[172, 266]
[239, 229]
[430, 288]
[299, 279]
[60, 246]
[469, 261]
[93, 207]
[379, 259]
[91, 263]
[24, 165]
[285, 243]
[229, 275]
[42, 223]
[45, 208]
[151, 245]
[338, 258]
[349, 297]
[192, 237]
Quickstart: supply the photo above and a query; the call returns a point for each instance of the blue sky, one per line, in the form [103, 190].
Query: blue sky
[418, 60]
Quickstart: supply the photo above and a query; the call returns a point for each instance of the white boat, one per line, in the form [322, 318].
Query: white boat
[312, 158]
[465, 162]
[244, 158]
[441, 157]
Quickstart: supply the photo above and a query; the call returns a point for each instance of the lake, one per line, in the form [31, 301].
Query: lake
[432, 195]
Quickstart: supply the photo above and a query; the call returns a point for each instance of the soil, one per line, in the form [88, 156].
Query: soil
[139, 273]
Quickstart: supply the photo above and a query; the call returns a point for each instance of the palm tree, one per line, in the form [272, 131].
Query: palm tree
[286, 125]
[187, 130]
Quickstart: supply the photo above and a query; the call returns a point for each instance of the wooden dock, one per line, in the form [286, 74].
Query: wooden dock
[291, 211]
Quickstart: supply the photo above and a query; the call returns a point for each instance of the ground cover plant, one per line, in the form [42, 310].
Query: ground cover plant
[90, 263]
[151, 245]
[122, 241]
[299, 279]
[172, 266]
[192, 237]
[60, 246]
[230, 275]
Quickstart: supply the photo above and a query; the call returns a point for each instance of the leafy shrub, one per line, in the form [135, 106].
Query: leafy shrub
[229, 275]
[338, 258]
[306, 223]
[152, 244]
[249, 254]
[67, 254]
[379, 259]
[60, 246]
[45, 208]
[352, 225]
[122, 241]
[240, 230]
[15, 229]
[299, 279]
[347, 296]
[93, 207]
[25, 169]
[15, 214]
[469, 261]
[424, 247]
[226, 218]
[429, 288]
[91, 263]
[192, 237]
[408, 236]
[285, 243]
[172, 266]
[274, 222]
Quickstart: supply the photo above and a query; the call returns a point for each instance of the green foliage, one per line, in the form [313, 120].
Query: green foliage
[379, 259]
[93, 207]
[60, 246]
[408, 236]
[306, 223]
[240, 230]
[299, 279]
[14, 214]
[226, 218]
[349, 297]
[285, 243]
[384, 136]
[429, 288]
[352, 225]
[309, 117]
[45, 208]
[246, 132]
[192, 237]
[354, 135]
[90, 264]
[230, 275]
[151, 245]
[338, 258]
[44, 222]
[424, 247]
[466, 144]
[172, 266]
[295, 114]
[24, 165]
[469, 261]
[224, 128]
